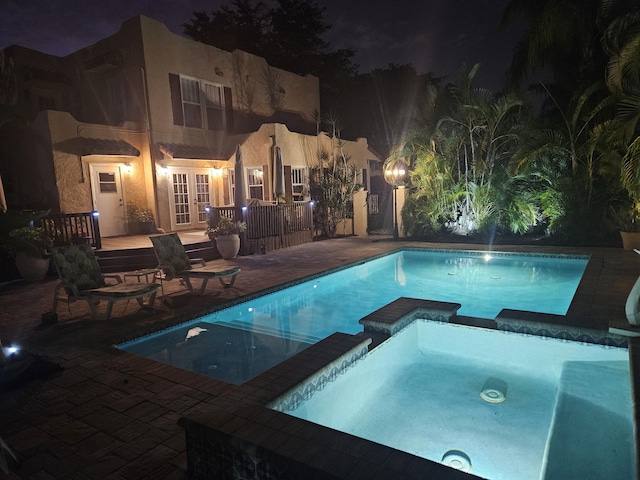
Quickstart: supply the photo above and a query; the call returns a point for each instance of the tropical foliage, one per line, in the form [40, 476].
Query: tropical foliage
[273, 31]
[19, 233]
[487, 163]
[223, 226]
[332, 184]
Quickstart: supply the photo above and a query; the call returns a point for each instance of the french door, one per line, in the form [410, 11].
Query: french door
[190, 191]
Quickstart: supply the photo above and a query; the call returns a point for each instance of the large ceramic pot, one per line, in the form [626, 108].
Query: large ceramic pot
[630, 240]
[228, 246]
[140, 228]
[32, 268]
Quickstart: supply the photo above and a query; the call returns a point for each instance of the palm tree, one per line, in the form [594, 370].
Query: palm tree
[560, 36]
[573, 38]
[484, 127]
[621, 41]
[457, 152]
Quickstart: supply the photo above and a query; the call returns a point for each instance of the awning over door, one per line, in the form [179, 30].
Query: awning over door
[97, 146]
[100, 146]
[180, 150]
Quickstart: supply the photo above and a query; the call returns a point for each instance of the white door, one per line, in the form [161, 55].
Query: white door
[189, 193]
[106, 184]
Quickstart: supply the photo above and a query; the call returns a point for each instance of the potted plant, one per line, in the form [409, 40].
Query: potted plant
[627, 220]
[31, 246]
[140, 220]
[226, 234]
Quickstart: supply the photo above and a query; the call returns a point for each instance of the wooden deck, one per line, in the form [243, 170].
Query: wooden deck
[135, 252]
[188, 237]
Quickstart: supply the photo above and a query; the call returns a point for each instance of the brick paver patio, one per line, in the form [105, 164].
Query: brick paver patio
[111, 414]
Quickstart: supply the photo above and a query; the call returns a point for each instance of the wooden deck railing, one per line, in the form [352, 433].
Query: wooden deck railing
[73, 228]
[272, 226]
[272, 220]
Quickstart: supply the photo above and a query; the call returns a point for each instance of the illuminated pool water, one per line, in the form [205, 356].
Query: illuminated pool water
[236, 343]
[502, 405]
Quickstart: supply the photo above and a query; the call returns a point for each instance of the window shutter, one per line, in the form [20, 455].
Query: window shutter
[225, 189]
[288, 184]
[228, 107]
[265, 183]
[176, 99]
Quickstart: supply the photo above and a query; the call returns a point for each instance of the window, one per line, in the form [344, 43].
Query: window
[215, 105]
[46, 103]
[116, 96]
[298, 182]
[256, 188]
[43, 99]
[232, 185]
[202, 104]
[190, 89]
[107, 182]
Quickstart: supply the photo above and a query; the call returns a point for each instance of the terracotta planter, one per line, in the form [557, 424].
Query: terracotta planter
[630, 240]
[140, 228]
[32, 268]
[228, 246]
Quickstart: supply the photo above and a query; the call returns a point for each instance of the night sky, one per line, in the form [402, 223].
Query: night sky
[436, 36]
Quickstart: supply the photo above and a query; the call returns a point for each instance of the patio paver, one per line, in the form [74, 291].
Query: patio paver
[111, 414]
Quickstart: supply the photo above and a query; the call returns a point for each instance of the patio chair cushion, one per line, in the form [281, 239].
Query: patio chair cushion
[212, 272]
[175, 263]
[121, 290]
[81, 279]
[77, 265]
[169, 250]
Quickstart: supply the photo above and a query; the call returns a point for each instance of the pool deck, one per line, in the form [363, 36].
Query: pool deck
[111, 414]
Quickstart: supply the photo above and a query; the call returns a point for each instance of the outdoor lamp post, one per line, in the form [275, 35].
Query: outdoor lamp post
[394, 175]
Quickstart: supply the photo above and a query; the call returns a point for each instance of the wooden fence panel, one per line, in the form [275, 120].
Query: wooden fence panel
[265, 221]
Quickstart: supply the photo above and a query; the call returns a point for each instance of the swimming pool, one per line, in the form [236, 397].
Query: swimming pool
[499, 405]
[236, 343]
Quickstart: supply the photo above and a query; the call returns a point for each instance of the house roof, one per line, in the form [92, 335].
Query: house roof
[180, 150]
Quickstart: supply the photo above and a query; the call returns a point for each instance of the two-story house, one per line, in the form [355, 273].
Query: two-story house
[146, 116]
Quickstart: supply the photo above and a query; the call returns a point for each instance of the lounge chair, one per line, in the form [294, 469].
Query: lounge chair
[175, 263]
[81, 279]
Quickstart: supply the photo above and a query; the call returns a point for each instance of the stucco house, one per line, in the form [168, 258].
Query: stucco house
[148, 117]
